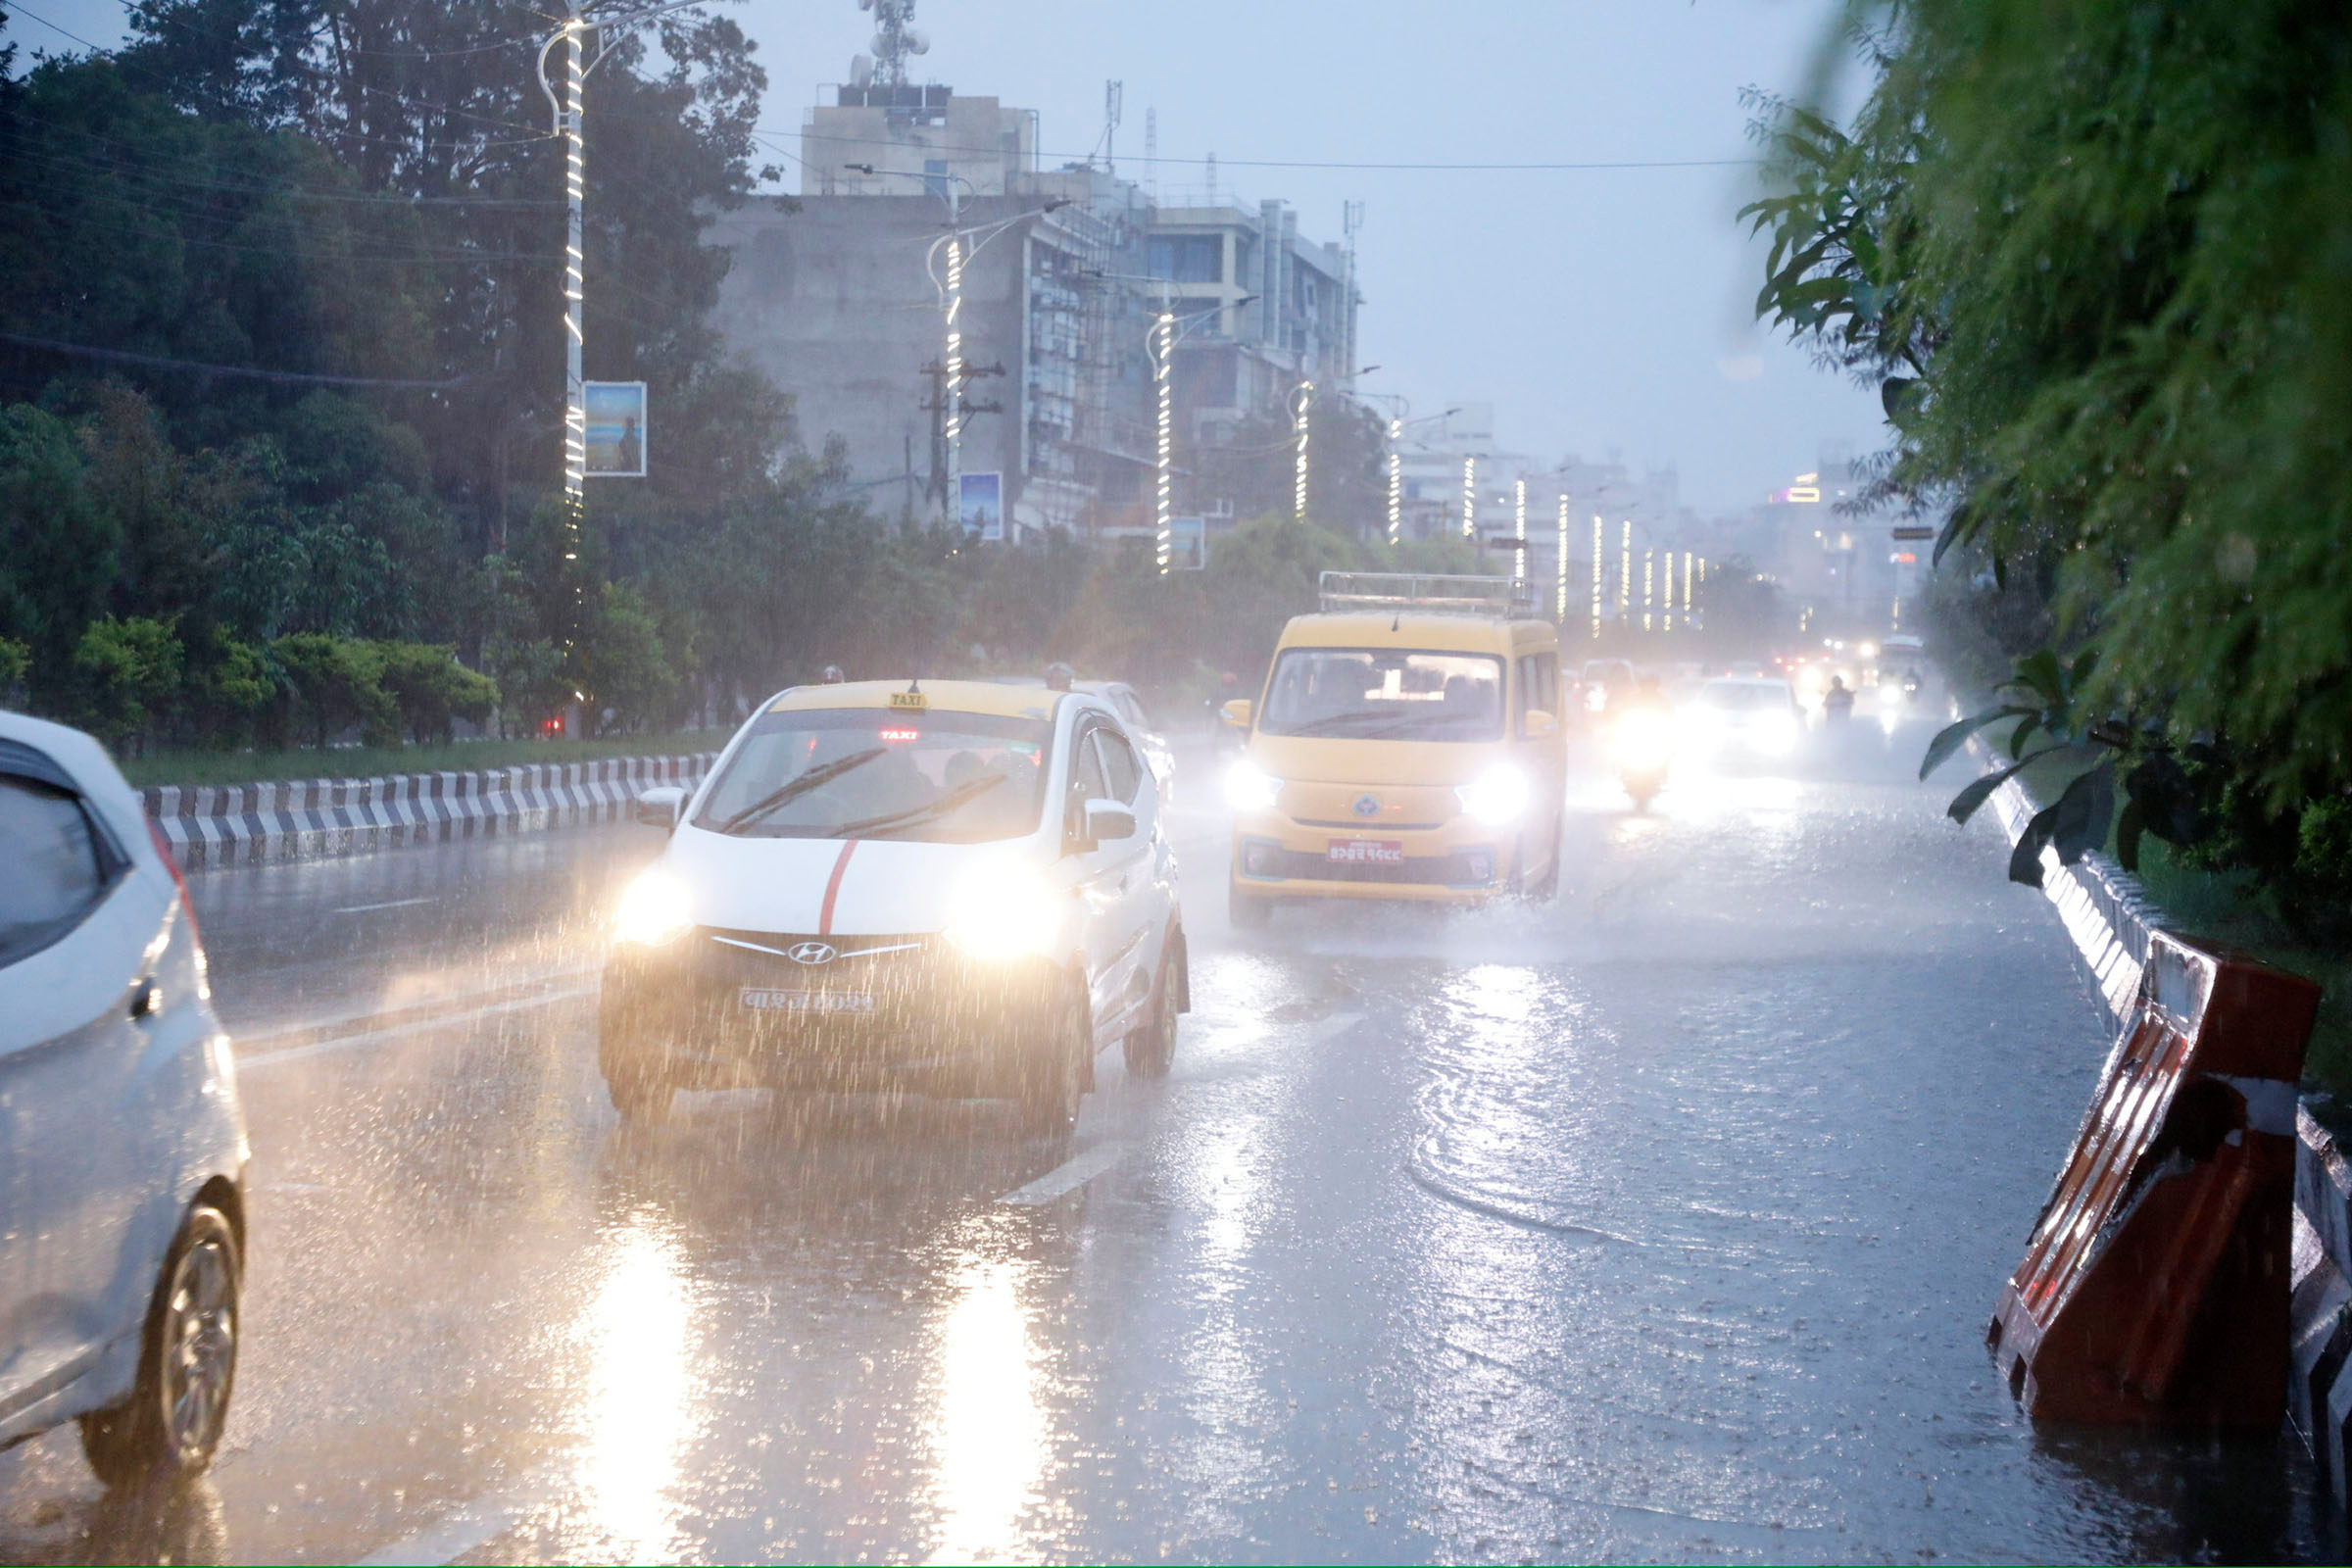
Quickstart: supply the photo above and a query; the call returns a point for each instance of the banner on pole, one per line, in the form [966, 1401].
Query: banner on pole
[615, 428]
[981, 506]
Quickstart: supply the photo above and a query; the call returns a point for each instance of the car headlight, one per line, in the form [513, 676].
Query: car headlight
[653, 910]
[1495, 796]
[1000, 911]
[1891, 695]
[1251, 788]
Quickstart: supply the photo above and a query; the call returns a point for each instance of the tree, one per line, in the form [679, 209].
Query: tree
[432, 690]
[126, 670]
[2096, 258]
[339, 683]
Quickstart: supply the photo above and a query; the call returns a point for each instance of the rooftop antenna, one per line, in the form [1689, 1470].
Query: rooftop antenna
[894, 38]
[1212, 179]
[1151, 152]
[1114, 94]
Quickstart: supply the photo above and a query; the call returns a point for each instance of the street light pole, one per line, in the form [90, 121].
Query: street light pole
[1470, 498]
[1299, 422]
[1597, 547]
[1395, 480]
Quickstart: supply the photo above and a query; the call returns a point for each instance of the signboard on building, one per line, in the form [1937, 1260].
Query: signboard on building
[1188, 544]
[980, 505]
[615, 428]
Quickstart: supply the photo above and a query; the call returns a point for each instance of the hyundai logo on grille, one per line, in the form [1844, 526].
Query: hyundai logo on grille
[1367, 805]
[811, 952]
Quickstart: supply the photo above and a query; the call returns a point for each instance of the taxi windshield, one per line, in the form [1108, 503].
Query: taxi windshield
[1385, 694]
[929, 775]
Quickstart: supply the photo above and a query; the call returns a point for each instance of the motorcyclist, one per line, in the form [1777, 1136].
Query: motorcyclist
[1838, 700]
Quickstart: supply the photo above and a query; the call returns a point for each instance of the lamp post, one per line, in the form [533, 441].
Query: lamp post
[1559, 608]
[1397, 425]
[569, 111]
[1470, 498]
[1167, 331]
[1596, 549]
[1298, 426]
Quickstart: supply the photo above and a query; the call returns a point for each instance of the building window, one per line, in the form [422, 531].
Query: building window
[1189, 259]
[935, 178]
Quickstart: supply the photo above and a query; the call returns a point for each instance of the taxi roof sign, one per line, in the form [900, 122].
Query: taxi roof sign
[909, 698]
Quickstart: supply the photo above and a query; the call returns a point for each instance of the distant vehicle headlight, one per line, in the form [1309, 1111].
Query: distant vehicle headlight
[1002, 911]
[1495, 797]
[653, 910]
[1251, 788]
[1891, 695]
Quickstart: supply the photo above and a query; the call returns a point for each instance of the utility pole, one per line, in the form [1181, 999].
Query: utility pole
[1470, 498]
[1396, 482]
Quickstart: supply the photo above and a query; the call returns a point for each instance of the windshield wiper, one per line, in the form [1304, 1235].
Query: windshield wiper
[917, 816]
[793, 789]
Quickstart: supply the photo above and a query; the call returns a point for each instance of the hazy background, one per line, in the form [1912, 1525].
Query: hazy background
[1601, 311]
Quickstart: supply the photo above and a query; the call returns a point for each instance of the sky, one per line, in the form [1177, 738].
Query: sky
[1603, 313]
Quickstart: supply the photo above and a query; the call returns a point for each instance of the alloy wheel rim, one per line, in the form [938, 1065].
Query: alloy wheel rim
[200, 1348]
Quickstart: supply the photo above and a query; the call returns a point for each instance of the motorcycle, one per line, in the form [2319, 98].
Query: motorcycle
[1641, 746]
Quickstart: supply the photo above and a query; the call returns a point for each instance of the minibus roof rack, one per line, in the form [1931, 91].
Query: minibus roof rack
[1428, 593]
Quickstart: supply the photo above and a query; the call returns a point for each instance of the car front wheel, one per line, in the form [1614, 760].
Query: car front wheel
[1151, 1048]
[1054, 1078]
[172, 1423]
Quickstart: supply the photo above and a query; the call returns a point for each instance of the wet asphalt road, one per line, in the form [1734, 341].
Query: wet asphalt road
[1661, 1222]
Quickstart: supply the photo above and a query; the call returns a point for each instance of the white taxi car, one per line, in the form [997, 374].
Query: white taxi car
[121, 1142]
[947, 885]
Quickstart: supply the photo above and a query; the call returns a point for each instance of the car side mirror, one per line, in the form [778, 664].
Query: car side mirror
[1537, 723]
[1236, 714]
[1107, 820]
[661, 805]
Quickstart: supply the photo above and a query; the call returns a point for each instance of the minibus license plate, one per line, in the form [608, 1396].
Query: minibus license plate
[1365, 852]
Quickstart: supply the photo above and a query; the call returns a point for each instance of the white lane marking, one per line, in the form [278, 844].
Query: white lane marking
[1069, 1175]
[390, 903]
[465, 1530]
[273, 1059]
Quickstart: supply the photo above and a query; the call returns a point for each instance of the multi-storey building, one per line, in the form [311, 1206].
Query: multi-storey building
[839, 295]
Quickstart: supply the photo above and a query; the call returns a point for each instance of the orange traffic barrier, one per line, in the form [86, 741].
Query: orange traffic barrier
[2155, 1287]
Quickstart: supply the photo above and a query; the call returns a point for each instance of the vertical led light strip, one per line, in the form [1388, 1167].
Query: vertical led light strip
[1559, 608]
[1306, 395]
[1163, 499]
[1666, 600]
[1395, 483]
[1625, 579]
[950, 394]
[1599, 546]
[1649, 566]
[1519, 510]
[576, 294]
[1689, 610]
[1469, 498]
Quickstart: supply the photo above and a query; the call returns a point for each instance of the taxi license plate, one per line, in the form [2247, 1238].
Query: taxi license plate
[1365, 852]
[759, 999]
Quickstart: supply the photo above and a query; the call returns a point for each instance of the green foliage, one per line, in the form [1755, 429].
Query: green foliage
[626, 676]
[339, 682]
[125, 671]
[15, 659]
[2097, 259]
[431, 690]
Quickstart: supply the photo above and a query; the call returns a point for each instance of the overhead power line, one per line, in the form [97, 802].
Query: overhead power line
[246, 372]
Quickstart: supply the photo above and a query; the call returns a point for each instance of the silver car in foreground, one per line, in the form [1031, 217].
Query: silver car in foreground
[121, 1142]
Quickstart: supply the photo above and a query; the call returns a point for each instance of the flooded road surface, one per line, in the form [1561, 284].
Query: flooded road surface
[1661, 1222]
